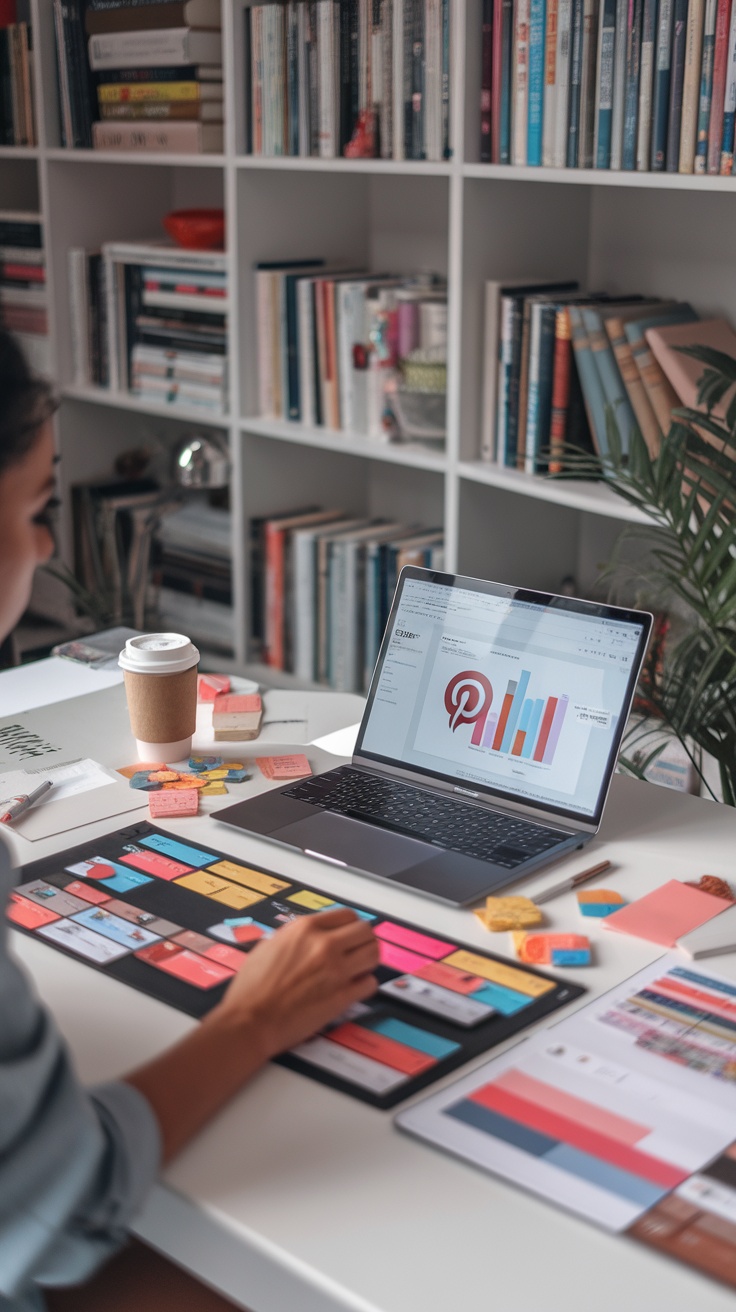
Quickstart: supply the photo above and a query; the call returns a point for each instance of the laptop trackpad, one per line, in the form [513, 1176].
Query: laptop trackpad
[364, 847]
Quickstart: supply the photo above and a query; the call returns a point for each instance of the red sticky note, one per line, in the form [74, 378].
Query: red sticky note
[155, 953]
[449, 977]
[226, 956]
[153, 863]
[379, 1048]
[666, 914]
[196, 970]
[248, 933]
[238, 704]
[28, 914]
[87, 892]
[412, 939]
[210, 686]
[284, 767]
[176, 802]
[399, 959]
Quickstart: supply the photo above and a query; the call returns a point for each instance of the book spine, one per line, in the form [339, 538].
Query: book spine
[677, 79]
[304, 132]
[619, 85]
[514, 383]
[561, 366]
[397, 90]
[586, 136]
[313, 76]
[274, 550]
[292, 87]
[408, 75]
[506, 88]
[619, 413]
[520, 72]
[491, 347]
[644, 127]
[445, 66]
[496, 75]
[133, 93]
[604, 79]
[546, 369]
[386, 117]
[532, 406]
[562, 81]
[418, 111]
[78, 316]
[720, 55]
[729, 101]
[264, 335]
[550, 85]
[503, 455]
[486, 39]
[691, 85]
[645, 417]
[256, 77]
[208, 111]
[176, 138]
[631, 91]
[590, 382]
[576, 69]
[706, 88]
[535, 107]
[326, 46]
[145, 49]
[292, 349]
[661, 96]
[348, 36]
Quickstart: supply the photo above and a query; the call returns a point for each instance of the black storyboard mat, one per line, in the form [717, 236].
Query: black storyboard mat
[195, 912]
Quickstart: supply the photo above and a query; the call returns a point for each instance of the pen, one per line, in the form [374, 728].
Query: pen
[573, 882]
[19, 805]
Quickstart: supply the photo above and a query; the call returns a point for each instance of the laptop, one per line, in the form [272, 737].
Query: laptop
[489, 740]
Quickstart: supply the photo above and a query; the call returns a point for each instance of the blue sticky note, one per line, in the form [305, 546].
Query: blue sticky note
[198, 764]
[127, 880]
[412, 1037]
[237, 776]
[142, 779]
[507, 1001]
[109, 873]
[570, 957]
[600, 909]
[121, 931]
[179, 851]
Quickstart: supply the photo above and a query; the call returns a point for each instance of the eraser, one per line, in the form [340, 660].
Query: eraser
[599, 902]
[210, 686]
[553, 949]
[238, 704]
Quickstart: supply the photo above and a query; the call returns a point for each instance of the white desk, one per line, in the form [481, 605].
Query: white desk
[299, 1199]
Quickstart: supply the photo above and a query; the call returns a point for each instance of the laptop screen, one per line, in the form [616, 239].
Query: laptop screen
[498, 689]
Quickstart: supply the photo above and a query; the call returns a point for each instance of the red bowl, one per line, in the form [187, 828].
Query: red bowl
[198, 230]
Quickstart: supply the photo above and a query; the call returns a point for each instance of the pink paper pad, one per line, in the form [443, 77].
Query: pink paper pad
[666, 914]
[413, 940]
[178, 802]
[399, 958]
[284, 767]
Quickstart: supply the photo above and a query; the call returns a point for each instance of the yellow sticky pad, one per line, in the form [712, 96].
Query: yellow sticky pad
[251, 878]
[497, 973]
[314, 901]
[234, 896]
[202, 882]
[502, 913]
[213, 775]
[214, 789]
[606, 895]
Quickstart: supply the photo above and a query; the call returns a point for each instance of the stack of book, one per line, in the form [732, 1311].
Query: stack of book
[17, 116]
[152, 319]
[113, 530]
[321, 589]
[609, 84]
[332, 343]
[562, 368]
[192, 574]
[141, 74]
[23, 297]
[360, 78]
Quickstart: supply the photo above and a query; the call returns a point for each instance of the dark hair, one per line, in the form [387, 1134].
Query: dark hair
[26, 402]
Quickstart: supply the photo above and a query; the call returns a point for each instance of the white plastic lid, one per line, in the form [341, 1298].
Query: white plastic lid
[158, 653]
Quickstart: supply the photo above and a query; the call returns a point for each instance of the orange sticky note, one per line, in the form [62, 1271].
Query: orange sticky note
[177, 802]
[284, 767]
[666, 914]
[127, 771]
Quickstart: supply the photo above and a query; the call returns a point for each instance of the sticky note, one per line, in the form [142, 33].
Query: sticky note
[447, 977]
[202, 882]
[498, 973]
[180, 851]
[284, 767]
[251, 878]
[200, 763]
[163, 776]
[667, 914]
[407, 963]
[210, 686]
[140, 767]
[214, 789]
[414, 1037]
[413, 940]
[599, 902]
[188, 938]
[215, 773]
[237, 776]
[196, 970]
[184, 781]
[502, 913]
[387, 1051]
[155, 864]
[306, 898]
[87, 892]
[232, 895]
[553, 949]
[185, 802]
[238, 704]
[142, 780]
[226, 956]
[28, 914]
[160, 951]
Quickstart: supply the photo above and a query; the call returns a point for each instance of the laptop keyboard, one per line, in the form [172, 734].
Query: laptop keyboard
[501, 839]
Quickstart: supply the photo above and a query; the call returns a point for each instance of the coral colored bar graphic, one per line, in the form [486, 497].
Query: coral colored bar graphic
[708, 1002]
[586, 1113]
[515, 712]
[544, 732]
[477, 736]
[570, 1132]
[508, 702]
[489, 730]
[554, 736]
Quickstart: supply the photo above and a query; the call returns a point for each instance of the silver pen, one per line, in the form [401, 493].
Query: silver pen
[19, 805]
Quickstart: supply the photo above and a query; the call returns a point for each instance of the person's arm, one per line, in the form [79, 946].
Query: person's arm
[288, 988]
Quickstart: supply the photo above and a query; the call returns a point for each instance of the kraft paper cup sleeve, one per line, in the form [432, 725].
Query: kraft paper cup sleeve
[162, 707]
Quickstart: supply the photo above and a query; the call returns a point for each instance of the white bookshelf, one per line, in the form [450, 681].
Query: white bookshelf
[661, 234]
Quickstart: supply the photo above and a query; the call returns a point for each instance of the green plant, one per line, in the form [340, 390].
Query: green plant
[684, 562]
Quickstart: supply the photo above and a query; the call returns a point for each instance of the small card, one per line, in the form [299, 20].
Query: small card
[201, 763]
[201, 881]
[184, 802]
[267, 884]
[413, 940]
[667, 914]
[28, 914]
[437, 1001]
[145, 919]
[56, 899]
[348, 1065]
[83, 942]
[241, 929]
[114, 876]
[232, 895]
[313, 901]
[195, 942]
[196, 970]
[214, 789]
[161, 951]
[87, 892]
[399, 958]
[163, 867]
[180, 851]
[284, 767]
[387, 1051]
[447, 977]
[120, 931]
[226, 956]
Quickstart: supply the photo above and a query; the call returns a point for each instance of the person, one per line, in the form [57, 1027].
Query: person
[75, 1163]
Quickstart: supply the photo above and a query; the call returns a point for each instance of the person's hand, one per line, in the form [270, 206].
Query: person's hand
[294, 983]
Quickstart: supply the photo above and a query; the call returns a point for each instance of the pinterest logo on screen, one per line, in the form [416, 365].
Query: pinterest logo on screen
[468, 698]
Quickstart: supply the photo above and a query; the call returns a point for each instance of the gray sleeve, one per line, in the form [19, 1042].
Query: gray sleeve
[75, 1165]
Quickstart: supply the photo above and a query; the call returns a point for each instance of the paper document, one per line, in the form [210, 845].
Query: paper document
[68, 780]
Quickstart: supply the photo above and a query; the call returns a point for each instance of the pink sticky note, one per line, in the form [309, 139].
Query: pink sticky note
[210, 686]
[666, 914]
[284, 767]
[238, 703]
[413, 940]
[399, 959]
[177, 802]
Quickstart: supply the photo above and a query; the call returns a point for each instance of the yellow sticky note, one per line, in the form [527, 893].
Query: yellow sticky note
[234, 896]
[251, 878]
[215, 789]
[202, 882]
[315, 901]
[497, 973]
[214, 775]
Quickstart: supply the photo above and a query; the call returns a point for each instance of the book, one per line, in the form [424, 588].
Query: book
[677, 80]
[706, 88]
[619, 85]
[327, 45]
[520, 81]
[661, 90]
[588, 60]
[132, 93]
[541, 365]
[202, 111]
[590, 381]
[682, 371]
[486, 59]
[720, 55]
[662, 397]
[631, 88]
[645, 417]
[550, 85]
[604, 83]
[172, 137]
[137, 17]
[561, 368]
[618, 410]
[536, 80]
[729, 101]
[562, 82]
[506, 87]
[691, 84]
[147, 49]
[576, 64]
[646, 78]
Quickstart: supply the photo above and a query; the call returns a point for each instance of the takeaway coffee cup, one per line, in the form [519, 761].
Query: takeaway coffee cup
[160, 673]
